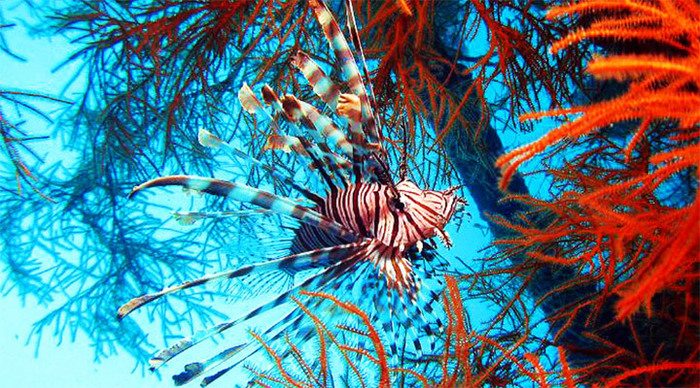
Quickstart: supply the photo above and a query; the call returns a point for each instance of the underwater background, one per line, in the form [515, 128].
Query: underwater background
[575, 261]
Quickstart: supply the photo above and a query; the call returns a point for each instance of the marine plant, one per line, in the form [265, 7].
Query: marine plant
[466, 358]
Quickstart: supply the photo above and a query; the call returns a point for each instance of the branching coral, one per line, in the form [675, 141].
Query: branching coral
[625, 209]
[620, 210]
[316, 372]
[156, 67]
[467, 359]
[422, 50]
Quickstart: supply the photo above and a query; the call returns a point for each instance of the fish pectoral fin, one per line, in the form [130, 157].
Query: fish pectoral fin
[395, 267]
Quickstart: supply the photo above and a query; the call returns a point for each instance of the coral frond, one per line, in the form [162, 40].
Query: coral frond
[660, 104]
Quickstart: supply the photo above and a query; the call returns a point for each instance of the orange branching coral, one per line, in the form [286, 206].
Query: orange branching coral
[316, 373]
[467, 357]
[287, 378]
[565, 369]
[474, 359]
[661, 367]
[416, 63]
[156, 58]
[455, 333]
[661, 87]
[608, 257]
[627, 225]
[381, 357]
[641, 364]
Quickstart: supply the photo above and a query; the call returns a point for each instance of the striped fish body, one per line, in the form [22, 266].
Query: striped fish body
[393, 223]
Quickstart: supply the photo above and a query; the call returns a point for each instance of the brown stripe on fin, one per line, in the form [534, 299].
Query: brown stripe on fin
[291, 107]
[271, 98]
[321, 83]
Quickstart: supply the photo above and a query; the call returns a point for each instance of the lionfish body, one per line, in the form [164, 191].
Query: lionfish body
[392, 224]
[370, 220]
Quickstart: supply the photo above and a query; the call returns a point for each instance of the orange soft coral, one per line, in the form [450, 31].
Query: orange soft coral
[624, 220]
[467, 359]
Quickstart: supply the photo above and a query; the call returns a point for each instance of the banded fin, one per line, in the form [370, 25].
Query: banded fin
[425, 307]
[425, 312]
[321, 126]
[350, 107]
[291, 111]
[247, 194]
[366, 130]
[189, 218]
[208, 139]
[355, 38]
[293, 108]
[195, 369]
[408, 325]
[352, 74]
[294, 317]
[347, 62]
[267, 283]
[286, 143]
[271, 98]
[312, 259]
[248, 101]
[327, 132]
[253, 106]
[396, 268]
[322, 84]
[386, 317]
[293, 325]
[347, 106]
[347, 254]
[211, 378]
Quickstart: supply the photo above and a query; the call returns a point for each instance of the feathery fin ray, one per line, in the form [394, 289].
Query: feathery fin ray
[349, 253]
[247, 194]
[322, 257]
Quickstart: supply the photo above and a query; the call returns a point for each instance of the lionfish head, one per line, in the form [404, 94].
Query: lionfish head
[431, 210]
[451, 202]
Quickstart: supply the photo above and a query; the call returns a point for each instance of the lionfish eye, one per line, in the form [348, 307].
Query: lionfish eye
[397, 204]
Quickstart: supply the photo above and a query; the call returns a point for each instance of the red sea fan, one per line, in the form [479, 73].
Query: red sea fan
[657, 244]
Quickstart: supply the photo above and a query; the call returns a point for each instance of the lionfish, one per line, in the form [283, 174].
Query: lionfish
[364, 218]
